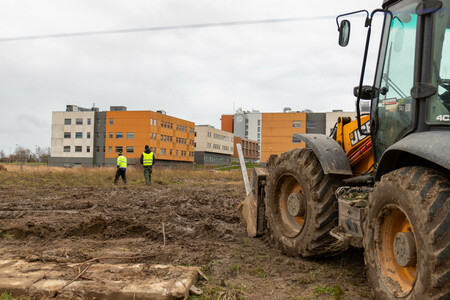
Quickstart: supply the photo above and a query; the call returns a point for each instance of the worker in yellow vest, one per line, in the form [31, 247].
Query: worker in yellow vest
[121, 169]
[147, 160]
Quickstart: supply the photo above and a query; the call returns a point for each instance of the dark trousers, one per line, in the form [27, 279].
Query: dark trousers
[148, 174]
[121, 173]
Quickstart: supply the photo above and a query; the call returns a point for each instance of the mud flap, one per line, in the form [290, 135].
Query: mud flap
[252, 210]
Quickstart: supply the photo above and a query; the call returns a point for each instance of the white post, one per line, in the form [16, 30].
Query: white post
[243, 169]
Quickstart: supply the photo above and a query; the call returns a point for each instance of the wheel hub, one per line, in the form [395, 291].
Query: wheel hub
[405, 249]
[296, 205]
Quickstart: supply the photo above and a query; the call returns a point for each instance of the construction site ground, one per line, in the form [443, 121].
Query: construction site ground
[55, 218]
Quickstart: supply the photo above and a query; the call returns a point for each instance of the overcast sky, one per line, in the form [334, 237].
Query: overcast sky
[196, 74]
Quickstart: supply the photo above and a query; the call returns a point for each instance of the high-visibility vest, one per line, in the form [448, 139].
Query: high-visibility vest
[122, 162]
[147, 159]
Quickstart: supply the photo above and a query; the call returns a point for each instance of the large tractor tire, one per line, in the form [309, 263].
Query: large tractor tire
[407, 237]
[301, 207]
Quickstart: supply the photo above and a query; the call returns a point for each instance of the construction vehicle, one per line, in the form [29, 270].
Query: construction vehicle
[380, 182]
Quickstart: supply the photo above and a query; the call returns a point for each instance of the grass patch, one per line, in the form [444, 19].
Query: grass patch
[336, 291]
[236, 268]
[8, 296]
[104, 177]
[259, 272]
[7, 236]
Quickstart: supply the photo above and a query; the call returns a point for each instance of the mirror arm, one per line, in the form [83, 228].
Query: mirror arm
[351, 13]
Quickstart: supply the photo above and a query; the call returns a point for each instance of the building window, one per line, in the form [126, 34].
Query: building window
[110, 149]
[67, 121]
[67, 135]
[119, 149]
[78, 135]
[88, 149]
[97, 149]
[310, 124]
[88, 135]
[130, 135]
[209, 134]
[130, 149]
[296, 140]
[110, 135]
[66, 148]
[79, 122]
[89, 121]
[296, 124]
[259, 122]
[78, 149]
[119, 135]
[111, 121]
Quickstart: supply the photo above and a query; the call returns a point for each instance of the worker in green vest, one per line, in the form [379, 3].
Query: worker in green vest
[121, 169]
[147, 160]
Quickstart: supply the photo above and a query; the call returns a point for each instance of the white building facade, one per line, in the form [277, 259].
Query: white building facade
[72, 140]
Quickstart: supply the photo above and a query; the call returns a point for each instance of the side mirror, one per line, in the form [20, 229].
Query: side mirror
[367, 92]
[344, 33]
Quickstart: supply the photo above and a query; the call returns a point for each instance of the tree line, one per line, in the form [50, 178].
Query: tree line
[24, 155]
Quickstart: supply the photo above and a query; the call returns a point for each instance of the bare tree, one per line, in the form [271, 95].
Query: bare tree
[3, 157]
[43, 154]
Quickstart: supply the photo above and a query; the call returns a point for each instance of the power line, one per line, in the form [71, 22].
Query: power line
[161, 28]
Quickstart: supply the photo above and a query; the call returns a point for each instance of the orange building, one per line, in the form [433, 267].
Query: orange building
[277, 130]
[171, 139]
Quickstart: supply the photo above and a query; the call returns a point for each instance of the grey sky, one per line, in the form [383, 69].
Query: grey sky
[194, 74]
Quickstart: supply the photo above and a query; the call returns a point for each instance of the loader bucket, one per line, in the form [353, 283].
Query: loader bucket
[247, 214]
[251, 211]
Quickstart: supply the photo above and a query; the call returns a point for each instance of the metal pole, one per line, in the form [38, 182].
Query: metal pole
[37, 159]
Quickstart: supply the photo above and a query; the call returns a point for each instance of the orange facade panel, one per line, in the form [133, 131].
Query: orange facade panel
[227, 123]
[277, 130]
[171, 138]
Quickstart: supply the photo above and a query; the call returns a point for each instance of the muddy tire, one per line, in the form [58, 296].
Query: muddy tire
[301, 207]
[406, 240]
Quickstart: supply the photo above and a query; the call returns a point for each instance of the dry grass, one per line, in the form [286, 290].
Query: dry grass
[44, 176]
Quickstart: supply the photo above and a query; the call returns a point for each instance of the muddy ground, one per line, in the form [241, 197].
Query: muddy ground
[201, 228]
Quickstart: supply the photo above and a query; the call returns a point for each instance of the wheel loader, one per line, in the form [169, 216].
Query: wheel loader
[382, 181]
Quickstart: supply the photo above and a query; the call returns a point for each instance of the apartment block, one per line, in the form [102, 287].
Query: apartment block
[250, 150]
[72, 141]
[88, 137]
[171, 139]
[213, 146]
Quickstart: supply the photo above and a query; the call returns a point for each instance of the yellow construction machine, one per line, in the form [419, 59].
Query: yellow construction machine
[382, 181]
